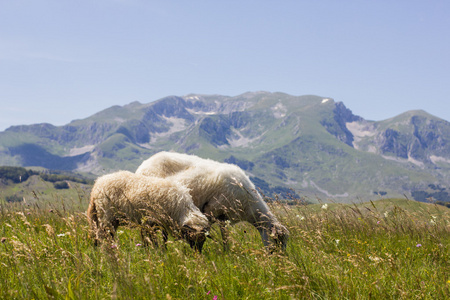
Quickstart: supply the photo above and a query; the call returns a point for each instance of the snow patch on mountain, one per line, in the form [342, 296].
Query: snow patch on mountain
[81, 150]
[438, 159]
[359, 130]
[312, 183]
[279, 110]
[178, 124]
[241, 141]
[192, 98]
[199, 112]
[402, 160]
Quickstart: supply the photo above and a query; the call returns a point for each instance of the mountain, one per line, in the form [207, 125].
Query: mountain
[313, 145]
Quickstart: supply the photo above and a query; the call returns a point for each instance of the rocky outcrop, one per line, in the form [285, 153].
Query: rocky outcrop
[215, 130]
[307, 142]
[336, 124]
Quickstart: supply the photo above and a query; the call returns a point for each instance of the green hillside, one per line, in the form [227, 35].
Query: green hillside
[313, 145]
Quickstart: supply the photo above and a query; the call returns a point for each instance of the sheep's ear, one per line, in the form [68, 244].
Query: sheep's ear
[196, 229]
[189, 228]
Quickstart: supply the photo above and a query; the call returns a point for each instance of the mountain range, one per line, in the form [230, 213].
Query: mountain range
[309, 145]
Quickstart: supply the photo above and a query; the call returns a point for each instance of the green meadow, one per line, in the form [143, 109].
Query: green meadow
[385, 249]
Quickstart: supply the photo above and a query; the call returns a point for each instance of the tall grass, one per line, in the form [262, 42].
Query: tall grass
[388, 249]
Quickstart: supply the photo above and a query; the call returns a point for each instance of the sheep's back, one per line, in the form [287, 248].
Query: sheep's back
[123, 187]
[165, 164]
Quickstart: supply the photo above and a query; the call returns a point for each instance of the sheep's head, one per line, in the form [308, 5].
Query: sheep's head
[195, 236]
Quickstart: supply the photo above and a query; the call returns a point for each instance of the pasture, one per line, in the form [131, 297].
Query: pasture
[385, 249]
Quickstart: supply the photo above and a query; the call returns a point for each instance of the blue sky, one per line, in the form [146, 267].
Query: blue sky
[65, 60]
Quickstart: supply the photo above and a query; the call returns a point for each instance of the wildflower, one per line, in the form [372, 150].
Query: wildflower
[215, 297]
[61, 234]
[138, 245]
[49, 229]
[337, 242]
[374, 258]
[386, 214]
[51, 210]
[3, 240]
[209, 292]
[325, 206]
[300, 217]
[113, 246]
[120, 232]
[419, 245]
[378, 222]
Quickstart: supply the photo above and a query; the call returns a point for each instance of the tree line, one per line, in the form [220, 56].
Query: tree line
[58, 178]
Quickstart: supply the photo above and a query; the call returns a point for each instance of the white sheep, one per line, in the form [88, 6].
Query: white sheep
[125, 198]
[221, 191]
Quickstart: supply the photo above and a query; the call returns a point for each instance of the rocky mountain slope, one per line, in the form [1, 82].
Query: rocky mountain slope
[312, 145]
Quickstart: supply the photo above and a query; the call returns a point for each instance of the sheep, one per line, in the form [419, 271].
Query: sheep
[123, 198]
[223, 192]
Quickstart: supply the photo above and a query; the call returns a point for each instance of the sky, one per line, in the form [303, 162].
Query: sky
[66, 60]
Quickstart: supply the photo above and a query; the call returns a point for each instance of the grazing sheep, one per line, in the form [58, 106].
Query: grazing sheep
[221, 191]
[125, 198]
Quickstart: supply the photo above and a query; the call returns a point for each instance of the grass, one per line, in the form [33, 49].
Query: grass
[388, 249]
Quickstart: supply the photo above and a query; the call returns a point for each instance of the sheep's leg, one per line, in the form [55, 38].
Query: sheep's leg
[102, 233]
[221, 219]
[101, 227]
[150, 236]
[165, 237]
[94, 233]
[146, 237]
[107, 225]
[225, 236]
[268, 244]
[93, 222]
[264, 236]
[113, 230]
[198, 246]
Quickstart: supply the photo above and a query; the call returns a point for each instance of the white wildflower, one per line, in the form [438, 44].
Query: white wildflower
[61, 234]
[374, 258]
[337, 242]
[386, 214]
[300, 217]
[325, 206]
[433, 220]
